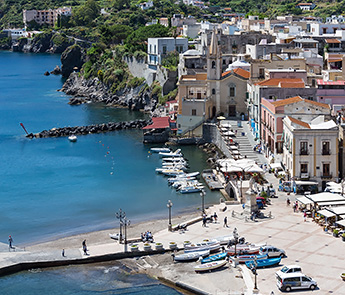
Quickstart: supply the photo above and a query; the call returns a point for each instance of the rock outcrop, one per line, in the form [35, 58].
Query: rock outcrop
[72, 57]
[93, 90]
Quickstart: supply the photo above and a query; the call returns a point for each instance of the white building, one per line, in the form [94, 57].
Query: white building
[146, 5]
[158, 48]
[311, 149]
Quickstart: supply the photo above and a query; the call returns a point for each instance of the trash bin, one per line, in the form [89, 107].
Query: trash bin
[239, 124]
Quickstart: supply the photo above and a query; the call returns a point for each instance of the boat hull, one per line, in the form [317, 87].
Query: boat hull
[192, 256]
[216, 257]
[264, 262]
[210, 266]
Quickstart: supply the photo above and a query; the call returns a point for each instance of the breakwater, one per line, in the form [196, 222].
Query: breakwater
[90, 129]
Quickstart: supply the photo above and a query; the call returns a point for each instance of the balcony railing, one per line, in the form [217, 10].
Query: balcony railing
[304, 175]
[326, 152]
[328, 175]
[304, 152]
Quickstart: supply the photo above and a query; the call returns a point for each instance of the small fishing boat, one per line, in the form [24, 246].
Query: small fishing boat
[171, 181]
[191, 256]
[243, 249]
[223, 240]
[72, 138]
[210, 266]
[176, 153]
[245, 258]
[171, 172]
[160, 150]
[216, 257]
[191, 189]
[174, 159]
[263, 262]
[212, 246]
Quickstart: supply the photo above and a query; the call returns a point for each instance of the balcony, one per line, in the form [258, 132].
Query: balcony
[304, 152]
[326, 152]
[304, 175]
[326, 175]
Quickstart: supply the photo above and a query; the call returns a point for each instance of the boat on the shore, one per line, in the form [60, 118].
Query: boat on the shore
[243, 249]
[191, 256]
[160, 150]
[210, 266]
[215, 257]
[263, 262]
[212, 246]
[223, 240]
[72, 138]
[245, 258]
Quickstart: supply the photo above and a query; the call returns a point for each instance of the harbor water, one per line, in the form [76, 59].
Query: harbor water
[52, 187]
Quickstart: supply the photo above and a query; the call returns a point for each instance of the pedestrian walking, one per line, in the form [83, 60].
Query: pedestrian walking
[10, 243]
[63, 253]
[225, 222]
[288, 202]
[84, 247]
[215, 216]
[204, 221]
[305, 216]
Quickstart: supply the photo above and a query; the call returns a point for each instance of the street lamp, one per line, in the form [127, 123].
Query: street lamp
[255, 273]
[126, 222]
[202, 195]
[342, 186]
[235, 234]
[169, 205]
[120, 215]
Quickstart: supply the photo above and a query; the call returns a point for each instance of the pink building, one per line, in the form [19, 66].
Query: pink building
[332, 93]
[273, 112]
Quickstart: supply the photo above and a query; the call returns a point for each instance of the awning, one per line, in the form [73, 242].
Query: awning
[326, 213]
[341, 222]
[326, 204]
[325, 197]
[338, 210]
[304, 200]
[276, 165]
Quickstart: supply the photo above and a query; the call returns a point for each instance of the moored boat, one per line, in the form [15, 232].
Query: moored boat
[263, 262]
[243, 249]
[160, 150]
[191, 189]
[176, 153]
[72, 138]
[215, 257]
[209, 266]
[191, 256]
[212, 246]
[172, 172]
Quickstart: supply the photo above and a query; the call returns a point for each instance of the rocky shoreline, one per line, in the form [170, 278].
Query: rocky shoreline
[90, 129]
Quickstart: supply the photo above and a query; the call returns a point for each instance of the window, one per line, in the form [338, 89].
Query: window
[303, 148]
[262, 73]
[164, 49]
[150, 48]
[232, 90]
[154, 49]
[191, 92]
[213, 91]
[304, 168]
[326, 148]
[326, 170]
[193, 112]
[213, 65]
[305, 279]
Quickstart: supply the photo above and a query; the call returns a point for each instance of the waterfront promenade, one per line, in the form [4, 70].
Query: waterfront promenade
[306, 244]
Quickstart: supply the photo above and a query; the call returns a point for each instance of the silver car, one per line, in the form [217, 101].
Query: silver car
[271, 252]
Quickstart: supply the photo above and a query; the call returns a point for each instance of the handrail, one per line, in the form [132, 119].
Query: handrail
[193, 127]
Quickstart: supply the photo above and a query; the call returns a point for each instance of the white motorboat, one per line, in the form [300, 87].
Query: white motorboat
[210, 266]
[160, 150]
[178, 161]
[114, 236]
[223, 240]
[172, 172]
[177, 179]
[72, 138]
[191, 256]
[176, 153]
[185, 183]
[174, 159]
[212, 246]
[191, 189]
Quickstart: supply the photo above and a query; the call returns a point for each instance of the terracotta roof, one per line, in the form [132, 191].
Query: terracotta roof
[332, 41]
[277, 81]
[240, 72]
[171, 101]
[299, 122]
[291, 85]
[287, 101]
[158, 123]
[320, 104]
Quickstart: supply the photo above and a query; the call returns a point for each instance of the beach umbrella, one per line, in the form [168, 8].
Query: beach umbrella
[229, 133]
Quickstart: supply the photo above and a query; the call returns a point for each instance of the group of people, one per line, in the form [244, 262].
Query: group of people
[147, 237]
[211, 218]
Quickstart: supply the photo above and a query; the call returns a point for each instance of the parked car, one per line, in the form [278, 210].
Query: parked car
[288, 269]
[272, 193]
[271, 251]
[293, 281]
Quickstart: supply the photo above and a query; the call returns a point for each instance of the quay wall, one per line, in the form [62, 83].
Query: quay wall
[211, 134]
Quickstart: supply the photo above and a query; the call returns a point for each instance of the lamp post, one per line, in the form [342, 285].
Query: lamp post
[120, 215]
[342, 186]
[169, 205]
[202, 195]
[126, 222]
[255, 274]
[235, 234]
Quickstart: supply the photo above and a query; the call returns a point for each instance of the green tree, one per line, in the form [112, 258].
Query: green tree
[121, 4]
[85, 14]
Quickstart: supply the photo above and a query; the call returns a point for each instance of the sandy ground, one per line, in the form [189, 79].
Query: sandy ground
[102, 237]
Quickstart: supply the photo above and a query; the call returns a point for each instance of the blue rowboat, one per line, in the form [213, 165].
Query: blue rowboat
[263, 263]
[216, 257]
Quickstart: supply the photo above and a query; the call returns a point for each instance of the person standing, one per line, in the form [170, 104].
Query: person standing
[84, 247]
[10, 243]
[305, 215]
[63, 253]
[225, 222]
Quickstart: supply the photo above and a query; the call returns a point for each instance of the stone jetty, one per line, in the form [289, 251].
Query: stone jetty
[95, 128]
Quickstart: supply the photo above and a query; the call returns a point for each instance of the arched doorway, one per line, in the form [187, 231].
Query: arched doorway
[232, 111]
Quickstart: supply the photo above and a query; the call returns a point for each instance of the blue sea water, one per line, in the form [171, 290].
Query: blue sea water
[52, 187]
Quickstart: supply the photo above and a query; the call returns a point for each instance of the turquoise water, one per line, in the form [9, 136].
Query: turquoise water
[52, 187]
[107, 279]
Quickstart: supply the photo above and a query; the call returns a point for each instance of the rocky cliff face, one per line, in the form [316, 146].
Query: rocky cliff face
[92, 90]
[73, 57]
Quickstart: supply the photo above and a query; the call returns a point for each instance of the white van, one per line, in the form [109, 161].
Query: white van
[294, 281]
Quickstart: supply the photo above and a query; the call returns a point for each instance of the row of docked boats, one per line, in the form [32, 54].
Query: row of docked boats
[176, 166]
[202, 251]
